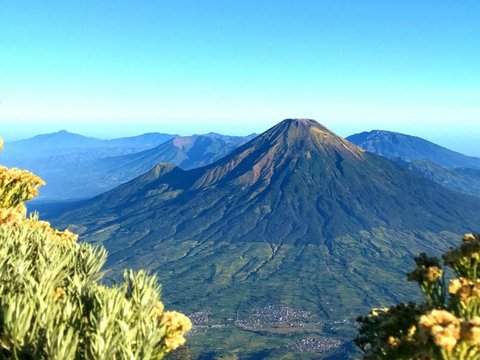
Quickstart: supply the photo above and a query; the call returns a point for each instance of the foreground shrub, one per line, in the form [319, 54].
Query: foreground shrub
[445, 326]
[52, 305]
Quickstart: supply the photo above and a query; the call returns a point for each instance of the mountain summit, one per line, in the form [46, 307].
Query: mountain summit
[290, 144]
[297, 216]
[311, 135]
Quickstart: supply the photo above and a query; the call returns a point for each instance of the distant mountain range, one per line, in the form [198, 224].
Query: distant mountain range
[64, 143]
[295, 217]
[75, 166]
[101, 165]
[446, 167]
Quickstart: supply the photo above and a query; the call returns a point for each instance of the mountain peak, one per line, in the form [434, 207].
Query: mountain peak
[311, 135]
[58, 134]
[300, 122]
[301, 126]
[291, 145]
[59, 139]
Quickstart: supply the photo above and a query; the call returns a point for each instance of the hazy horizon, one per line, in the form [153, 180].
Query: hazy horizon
[450, 141]
[117, 68]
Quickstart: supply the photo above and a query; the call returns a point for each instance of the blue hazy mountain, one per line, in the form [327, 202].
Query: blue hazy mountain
[62, 158]
[395, 145]
[186, 152]
[76, 166]
[446, 167]
[63, 142]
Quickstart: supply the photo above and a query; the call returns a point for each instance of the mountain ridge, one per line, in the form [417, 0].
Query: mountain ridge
[393, 144]
[448, 168]
[109, 163]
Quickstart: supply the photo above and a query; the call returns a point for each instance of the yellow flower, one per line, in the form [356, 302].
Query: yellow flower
[434, 273]
[393, 341]
[471, 330]
[468, 237]
[455, 285]
[176, 326]
[464, 289]
[377, 311]
[11, 217]
[411, 333]
[17, 186]
[443, 326]
[64, 237]
[1, 144]
[58, 293]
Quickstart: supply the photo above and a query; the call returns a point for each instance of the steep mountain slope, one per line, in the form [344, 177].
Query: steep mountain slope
[296, 217]
[394, 145]
[100, 175]
[139, 142]
[448, 168]
[186, 152]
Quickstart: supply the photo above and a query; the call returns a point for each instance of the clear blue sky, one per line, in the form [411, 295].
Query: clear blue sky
[111, 67]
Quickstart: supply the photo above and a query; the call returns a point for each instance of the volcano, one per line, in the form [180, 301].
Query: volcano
[298, 216]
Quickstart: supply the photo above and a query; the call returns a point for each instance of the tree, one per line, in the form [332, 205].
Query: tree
[445, 326]
[52, 303]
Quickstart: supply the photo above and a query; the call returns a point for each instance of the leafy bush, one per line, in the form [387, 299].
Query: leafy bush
[52, 305]
[445, 326]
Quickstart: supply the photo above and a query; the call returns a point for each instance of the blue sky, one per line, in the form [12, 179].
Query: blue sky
[111, 68]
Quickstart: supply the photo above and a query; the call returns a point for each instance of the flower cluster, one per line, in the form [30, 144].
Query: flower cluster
[447, 331]
[51, 303]
[465, 289]
[389, 331]
[428, 274]
[177, 325]
[471, 331]
[428, 269]
[445, 326]
[465, 259]
[11, 217]
[64, 236]
[17, 186]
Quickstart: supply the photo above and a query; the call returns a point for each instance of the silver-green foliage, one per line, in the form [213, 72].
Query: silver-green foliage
[52, 307]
